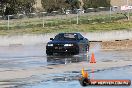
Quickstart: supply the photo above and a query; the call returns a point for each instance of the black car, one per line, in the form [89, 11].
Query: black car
[67, 43]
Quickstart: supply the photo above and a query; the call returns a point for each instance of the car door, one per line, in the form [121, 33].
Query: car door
[82, 43]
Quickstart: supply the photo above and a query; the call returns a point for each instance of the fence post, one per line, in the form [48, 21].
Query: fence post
[110, 12]
[43, 18]
[8, 17]
[77, 16]
[128, 15]
[8, 22]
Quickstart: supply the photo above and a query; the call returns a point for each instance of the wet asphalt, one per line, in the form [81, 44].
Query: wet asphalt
[16, 57]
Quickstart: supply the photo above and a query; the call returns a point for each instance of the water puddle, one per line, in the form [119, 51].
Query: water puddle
[68, 80]
[28, 57]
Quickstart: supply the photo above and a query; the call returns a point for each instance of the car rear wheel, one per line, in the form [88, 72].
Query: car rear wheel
[87, 48]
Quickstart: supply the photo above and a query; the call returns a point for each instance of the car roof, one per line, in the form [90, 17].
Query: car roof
[69, 33]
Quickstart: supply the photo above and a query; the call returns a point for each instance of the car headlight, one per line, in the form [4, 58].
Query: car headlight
[49, 44]
[68, 44]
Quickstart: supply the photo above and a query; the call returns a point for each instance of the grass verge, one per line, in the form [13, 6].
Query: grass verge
[86, 24]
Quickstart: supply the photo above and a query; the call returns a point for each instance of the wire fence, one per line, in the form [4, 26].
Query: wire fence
[44, 19]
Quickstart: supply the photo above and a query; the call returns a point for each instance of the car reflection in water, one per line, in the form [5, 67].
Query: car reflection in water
[54, 60]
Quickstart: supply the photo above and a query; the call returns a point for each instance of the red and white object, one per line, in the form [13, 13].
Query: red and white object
[126, 7]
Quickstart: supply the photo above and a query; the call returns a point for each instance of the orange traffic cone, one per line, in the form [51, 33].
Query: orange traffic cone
[92, 59]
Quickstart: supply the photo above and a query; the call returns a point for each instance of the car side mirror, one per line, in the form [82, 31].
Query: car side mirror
[51, 39]
[86, 38]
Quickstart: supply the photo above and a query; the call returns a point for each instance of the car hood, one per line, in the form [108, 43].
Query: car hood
[61, 42]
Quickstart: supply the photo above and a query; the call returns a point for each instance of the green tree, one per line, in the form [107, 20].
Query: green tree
[96, 3]
[2, 6]
[74, 4]
[26, 5]
[15, 6]
[51, 5]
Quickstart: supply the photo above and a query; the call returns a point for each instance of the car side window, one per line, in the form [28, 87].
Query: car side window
[80, 36]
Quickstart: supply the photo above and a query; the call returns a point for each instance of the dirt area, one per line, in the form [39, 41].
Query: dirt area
[114, 45]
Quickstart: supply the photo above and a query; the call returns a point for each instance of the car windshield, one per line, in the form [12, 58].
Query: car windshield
[66, 36]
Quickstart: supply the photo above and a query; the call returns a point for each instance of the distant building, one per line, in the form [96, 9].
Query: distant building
[38, 5]
[120, 2]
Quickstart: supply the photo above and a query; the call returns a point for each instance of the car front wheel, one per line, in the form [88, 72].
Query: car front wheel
[49, 53]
